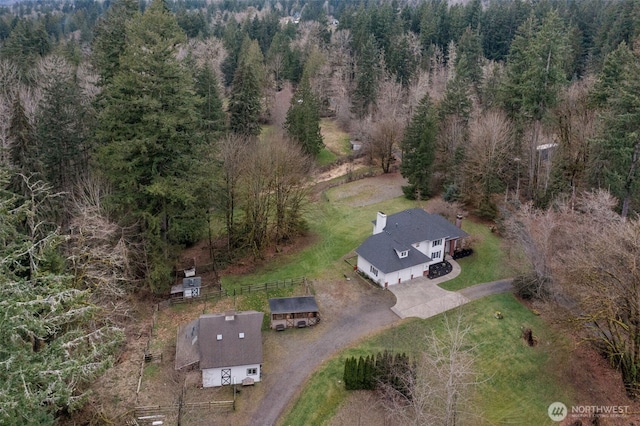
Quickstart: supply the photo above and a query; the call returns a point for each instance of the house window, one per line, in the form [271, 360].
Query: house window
[437, 243]
[436, 254]
[252, 371]
[373, 270]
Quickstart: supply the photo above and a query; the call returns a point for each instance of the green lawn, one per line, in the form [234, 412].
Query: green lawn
[325, 157]
[517, 383]
[485, 264]
[338, 229]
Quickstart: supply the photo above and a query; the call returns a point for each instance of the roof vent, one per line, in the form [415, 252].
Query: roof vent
[241, 335]
[219, 337]
[229, 315]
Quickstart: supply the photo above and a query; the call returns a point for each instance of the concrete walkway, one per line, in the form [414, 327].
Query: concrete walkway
[423, 298]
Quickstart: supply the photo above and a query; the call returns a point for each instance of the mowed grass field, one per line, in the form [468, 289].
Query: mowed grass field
[516, 382]
[337, 229]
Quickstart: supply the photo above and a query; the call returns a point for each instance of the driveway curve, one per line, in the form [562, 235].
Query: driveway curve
[423, 298]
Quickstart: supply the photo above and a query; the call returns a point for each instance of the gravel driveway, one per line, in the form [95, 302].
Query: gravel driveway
[351, 310]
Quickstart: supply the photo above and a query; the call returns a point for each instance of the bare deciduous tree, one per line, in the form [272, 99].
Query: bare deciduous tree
[385, 131]
[532, 232]
[589, 256]
[489, 152]
[231, 153]
[438, 389]
[575, 127]
[101, 253]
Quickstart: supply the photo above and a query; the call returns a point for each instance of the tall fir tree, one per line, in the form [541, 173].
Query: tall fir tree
[149, 131]
[418, 150]
[245, 103]
[64, 123]
[617, 150]
[23, 151]
[212, 113]
[366, 90]
[110, 38]
[303, 120]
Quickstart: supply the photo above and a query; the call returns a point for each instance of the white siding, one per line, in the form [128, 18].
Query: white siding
[392, 277]
[213, 376]
[436, 253]
[365, 267]
[423, 247]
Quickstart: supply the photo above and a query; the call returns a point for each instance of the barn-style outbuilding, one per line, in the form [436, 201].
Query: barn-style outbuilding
[297, 311]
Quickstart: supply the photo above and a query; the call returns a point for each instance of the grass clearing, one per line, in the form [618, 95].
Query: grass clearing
[519, 394]
[325, 157]
[338, 229]
[485, 264]
[335, 139]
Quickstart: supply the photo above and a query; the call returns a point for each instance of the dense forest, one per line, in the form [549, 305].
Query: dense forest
[131, 129]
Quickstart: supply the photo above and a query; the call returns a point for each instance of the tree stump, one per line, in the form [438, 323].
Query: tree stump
[527, 335]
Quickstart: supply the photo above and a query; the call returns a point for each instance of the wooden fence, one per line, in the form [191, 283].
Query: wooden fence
[207, 294]
[149, 413]
[269, 286]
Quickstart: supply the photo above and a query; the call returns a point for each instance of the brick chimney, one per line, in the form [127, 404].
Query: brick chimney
[459, 220]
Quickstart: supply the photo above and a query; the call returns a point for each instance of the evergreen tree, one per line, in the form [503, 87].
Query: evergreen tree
[211, 111]
[110, 38]
[150, 139]
[63, 125]
[536, 67]
[246, 92]
[23, 151]
[366, 91]
[48, 353]
[360, 380]
[303, 120]
[418, 148]
[468, 64]
[618, 147]
[27, 42]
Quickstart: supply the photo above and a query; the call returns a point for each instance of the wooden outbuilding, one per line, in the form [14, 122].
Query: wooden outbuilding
[190, 287]
[297, 311]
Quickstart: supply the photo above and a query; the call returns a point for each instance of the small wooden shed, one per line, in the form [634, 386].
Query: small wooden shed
[190, 287]
[297, 311]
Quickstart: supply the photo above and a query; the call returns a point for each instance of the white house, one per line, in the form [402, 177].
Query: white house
[403, 245]
[226, 347]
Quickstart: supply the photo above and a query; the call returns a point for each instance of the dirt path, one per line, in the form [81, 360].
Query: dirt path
[480, 290]
[351, 310]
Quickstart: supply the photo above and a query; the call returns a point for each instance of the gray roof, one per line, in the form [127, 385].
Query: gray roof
[186, 283]
[292, 305]
[379, 250]
[402, 230]
[415, 225]
[187, 345]
[231, 349]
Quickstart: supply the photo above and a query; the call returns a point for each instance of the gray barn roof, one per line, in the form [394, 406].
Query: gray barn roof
[198, 341]
[231, 349]
[292, 305]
